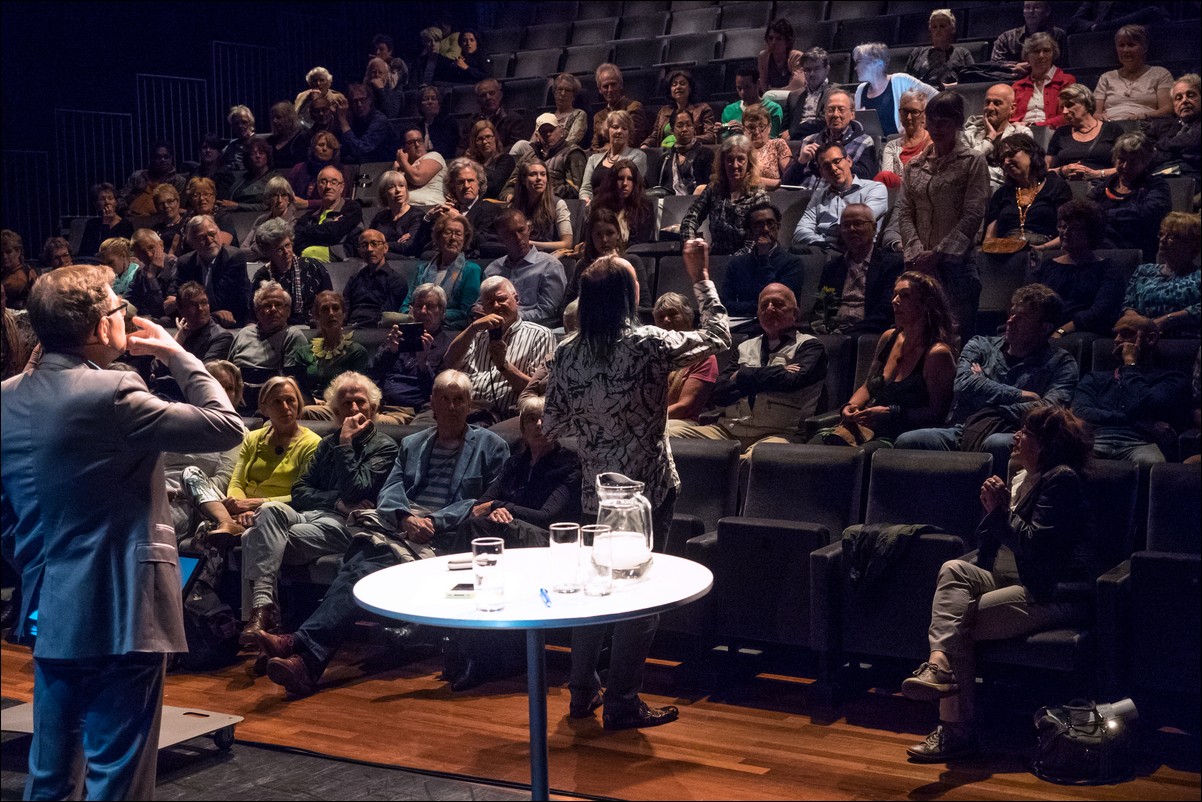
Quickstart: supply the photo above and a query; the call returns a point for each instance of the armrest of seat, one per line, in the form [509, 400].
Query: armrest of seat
[826, 582]
[700, 549]
[811, 425]
[684, 527]
[1114, 594]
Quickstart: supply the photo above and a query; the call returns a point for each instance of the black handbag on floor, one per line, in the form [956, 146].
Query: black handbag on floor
[1078, 746]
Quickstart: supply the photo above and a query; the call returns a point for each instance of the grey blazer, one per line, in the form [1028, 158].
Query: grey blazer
[83, 476]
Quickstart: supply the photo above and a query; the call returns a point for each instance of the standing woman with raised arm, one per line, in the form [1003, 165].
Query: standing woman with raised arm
[607, 385]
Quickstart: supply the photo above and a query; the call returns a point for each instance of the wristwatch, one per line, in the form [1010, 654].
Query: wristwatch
[1061, 332]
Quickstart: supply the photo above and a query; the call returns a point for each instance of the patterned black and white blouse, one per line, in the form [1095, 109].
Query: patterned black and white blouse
[727, 218]
[618, 408]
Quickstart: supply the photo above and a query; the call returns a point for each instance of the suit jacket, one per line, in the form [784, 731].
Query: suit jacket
[228, 283]
[883, 269]
[339, 224]
[94, 539]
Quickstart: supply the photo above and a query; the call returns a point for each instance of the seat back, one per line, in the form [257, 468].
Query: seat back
[1111, 494]
[928, 487]
[746, 15]
[817, 484]
[709, 478]
[643, 27]
[698, 20]
[539, 37]
[1173, 513]
[743, 44]
[592, 31]
[840, 370]
[584, 58]
[857, 30]
[536, 63]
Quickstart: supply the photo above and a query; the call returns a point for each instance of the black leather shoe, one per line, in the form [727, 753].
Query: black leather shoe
[473, 674]
[945, 743]
[641, 716]
[262, 619]
[581, 707]
[400, 636]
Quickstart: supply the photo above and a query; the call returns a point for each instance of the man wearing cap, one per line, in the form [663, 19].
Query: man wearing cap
[565, 162]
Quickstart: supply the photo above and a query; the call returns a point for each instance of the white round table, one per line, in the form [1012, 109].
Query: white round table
[417, 592]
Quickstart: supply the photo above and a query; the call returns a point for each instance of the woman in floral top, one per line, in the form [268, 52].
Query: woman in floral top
[607, 385]
[332, 352]
[725, 202]
[1169, 291]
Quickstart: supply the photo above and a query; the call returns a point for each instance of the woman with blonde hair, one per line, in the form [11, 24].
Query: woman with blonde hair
[620, 126]
[484, 148]
[725, 202]
[319, 81]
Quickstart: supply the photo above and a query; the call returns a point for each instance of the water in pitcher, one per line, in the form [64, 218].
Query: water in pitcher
[630, 556]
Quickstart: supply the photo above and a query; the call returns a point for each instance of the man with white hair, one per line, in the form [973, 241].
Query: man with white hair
[438, 475]
[346, 473]
[220, 270]
[499, 351]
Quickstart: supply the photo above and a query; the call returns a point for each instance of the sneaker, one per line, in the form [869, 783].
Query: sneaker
[641, 716]
[930, 683]
[945, 743]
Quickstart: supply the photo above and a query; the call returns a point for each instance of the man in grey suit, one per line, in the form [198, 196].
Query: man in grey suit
[83, 475]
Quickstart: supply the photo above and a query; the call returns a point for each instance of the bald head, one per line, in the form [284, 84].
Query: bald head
[999, 104]
[777, 310]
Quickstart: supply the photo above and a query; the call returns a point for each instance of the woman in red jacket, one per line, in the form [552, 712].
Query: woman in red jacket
[1037, 96]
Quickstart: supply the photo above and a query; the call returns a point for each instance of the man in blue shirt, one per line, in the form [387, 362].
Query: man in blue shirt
[818, 229]
[765, 262]
[538, 277]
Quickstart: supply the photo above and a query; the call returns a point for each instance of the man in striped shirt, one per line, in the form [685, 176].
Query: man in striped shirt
[438, 475]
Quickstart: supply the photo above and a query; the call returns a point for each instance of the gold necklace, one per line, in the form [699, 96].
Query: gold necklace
[1024, 201]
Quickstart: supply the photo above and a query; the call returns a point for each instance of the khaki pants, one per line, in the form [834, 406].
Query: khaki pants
[690, 430]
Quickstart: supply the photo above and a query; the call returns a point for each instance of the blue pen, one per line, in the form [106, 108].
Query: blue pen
[546, 596]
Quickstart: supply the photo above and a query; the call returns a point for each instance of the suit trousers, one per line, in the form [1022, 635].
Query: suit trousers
[283, 535]
[971, 605]
[96, 727]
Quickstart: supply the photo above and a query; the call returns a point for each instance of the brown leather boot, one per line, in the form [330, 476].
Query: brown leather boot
[262, 619]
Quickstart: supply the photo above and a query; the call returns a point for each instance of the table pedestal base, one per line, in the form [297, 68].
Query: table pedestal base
[536, 690]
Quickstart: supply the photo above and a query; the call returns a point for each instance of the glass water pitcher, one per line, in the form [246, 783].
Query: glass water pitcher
[627, 512]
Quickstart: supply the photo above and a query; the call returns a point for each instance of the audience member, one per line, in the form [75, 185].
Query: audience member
[881, 90]
[1024, 207]
[270, 461]
[438, 475]
[1080, 149]
[984, 132]
[1134, 91]
[209, 163]
[607, 386]
[363, 129]
[549, 222]
[939, 64]
[406, 376]
[201, 194]
[748, 89]
[1168, 290]
[1126, 407]
[565, 161]
[484, 149]
[467, 186]
[609, 86]
[346, 473]
[499, 367]
[470, 64]
[331, 222]
[603, 237]
[617, 147]
[397, 221]
[319, 80]
[565, 88]
[115, 254]
[439, 129]
[681, 92]
[288, 140]
[686, 168]
[377, 287]
[1094, 16]
[137, 197]
[1037, 18]
[324, 151]
[689, 388]
[752, 269]
[1044, 523]
[913, 139]
[510, 126]
[733, 190]
[17, 340]
[386, 88]
[18, 275]
[909, 383]
[217, 268]
[425, 171]
[170, 223]
[198, 332]
[778, 64]
[818, 229]
[145, 290]
[269, 347]
[1090, 287]
[856, 287]
[304, 276]
[944, 194]
[106, 224]
[242, 125]
[427, 67]
[1133, 200]
[772, 155]
[1001, 378]
[1037, 95]
[841, 128]
[450, 269]
[537, 276]
[56, 253]
[333, 351]
[622, 191]
[774, 383]
[281, 205]
[806, 105]
[248, 190]
[1179, 140]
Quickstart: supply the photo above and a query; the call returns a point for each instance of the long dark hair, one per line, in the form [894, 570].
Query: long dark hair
[540, 211]
[637, 207]
[598, 215]
[937, 316]
[1027, 144]
[607, 306]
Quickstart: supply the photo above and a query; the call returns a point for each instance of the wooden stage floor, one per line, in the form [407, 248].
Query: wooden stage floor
[763, 740]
